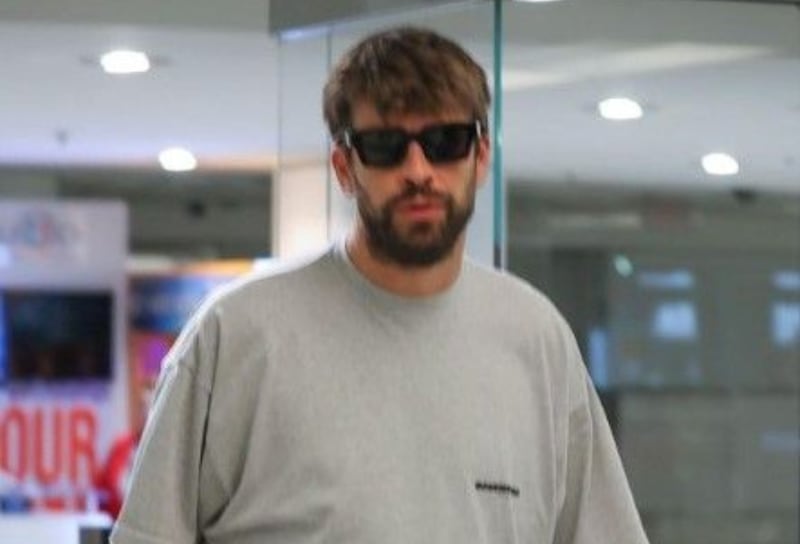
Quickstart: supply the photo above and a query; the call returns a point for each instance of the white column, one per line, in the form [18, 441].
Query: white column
[300, 210]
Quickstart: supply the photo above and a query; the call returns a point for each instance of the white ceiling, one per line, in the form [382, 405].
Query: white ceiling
[214, 90]
[713, 76]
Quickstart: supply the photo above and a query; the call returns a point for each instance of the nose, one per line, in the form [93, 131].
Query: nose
[416, 167]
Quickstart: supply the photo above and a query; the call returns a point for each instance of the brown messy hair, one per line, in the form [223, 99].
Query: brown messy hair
[405, 70]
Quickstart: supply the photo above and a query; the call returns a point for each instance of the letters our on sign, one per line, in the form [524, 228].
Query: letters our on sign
[49, 445]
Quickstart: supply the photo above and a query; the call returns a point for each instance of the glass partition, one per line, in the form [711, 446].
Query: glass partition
[301, 110]
[683, 288]
[471, 26]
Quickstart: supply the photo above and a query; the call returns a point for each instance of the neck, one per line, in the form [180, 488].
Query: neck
[410, 281]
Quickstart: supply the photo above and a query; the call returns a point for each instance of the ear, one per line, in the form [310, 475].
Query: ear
[341, 166]
[483, 155]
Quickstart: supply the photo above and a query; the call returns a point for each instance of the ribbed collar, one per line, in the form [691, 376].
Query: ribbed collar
[392, 301]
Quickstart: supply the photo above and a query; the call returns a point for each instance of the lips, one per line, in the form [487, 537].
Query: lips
[421, 208]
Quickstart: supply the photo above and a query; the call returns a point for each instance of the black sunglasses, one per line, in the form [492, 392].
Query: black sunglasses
[387, 147]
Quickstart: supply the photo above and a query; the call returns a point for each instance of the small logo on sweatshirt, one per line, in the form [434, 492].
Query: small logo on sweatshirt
[497, 487]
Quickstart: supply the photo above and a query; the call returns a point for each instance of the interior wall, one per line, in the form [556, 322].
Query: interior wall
[186, 217]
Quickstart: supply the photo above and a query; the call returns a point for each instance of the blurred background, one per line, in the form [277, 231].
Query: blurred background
[646, 177]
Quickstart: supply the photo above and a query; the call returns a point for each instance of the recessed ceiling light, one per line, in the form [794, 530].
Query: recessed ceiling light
[177, 159]
[623, 265]
[123, 61]
[720, 164]
[619, 109]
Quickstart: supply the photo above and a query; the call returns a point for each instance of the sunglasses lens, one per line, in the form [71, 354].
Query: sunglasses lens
[381, 147]
[447, 142]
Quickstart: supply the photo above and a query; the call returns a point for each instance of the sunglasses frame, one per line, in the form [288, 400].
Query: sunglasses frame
[350, 137]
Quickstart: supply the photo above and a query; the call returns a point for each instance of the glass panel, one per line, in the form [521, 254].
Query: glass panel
[683, 288]
[301, 193]
[470, 25]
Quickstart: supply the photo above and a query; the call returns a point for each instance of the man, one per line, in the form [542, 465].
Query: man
[390, 391]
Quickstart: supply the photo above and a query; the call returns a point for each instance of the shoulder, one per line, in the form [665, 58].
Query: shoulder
[274, 288]
[517, 311]
[263, 296]
[509, 294]
[518, 315]
[234, 321]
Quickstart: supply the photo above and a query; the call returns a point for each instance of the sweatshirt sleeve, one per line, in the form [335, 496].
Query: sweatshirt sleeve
[597, 506]
[162, 502]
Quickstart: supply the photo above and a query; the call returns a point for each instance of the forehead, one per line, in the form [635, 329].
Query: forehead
[365, 115]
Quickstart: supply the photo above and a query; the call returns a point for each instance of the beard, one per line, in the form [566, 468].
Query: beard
[421, 243]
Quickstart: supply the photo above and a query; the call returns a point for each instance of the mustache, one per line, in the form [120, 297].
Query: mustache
[414, 190]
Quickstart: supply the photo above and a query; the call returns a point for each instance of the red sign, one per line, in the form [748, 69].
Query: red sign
[49, 444]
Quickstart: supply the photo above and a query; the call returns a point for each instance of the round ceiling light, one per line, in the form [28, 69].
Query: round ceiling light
[619, 109]
[177, 159]
[123, 61]
[720, 164]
